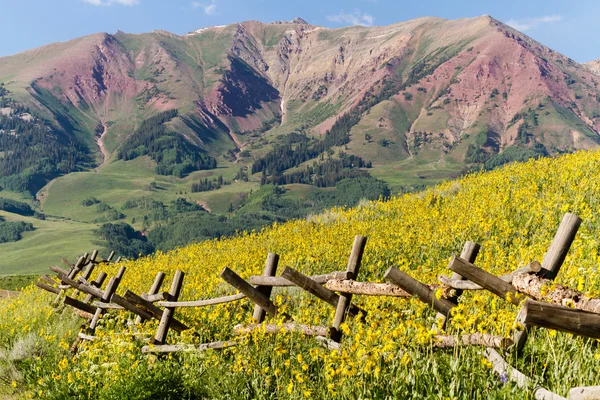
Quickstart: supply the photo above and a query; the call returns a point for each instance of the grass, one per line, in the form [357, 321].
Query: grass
[51, 240]
[16, 282]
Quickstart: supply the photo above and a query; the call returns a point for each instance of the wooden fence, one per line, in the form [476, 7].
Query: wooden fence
[559, 308]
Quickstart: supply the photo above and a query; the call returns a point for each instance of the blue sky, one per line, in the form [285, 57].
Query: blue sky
[571, 29]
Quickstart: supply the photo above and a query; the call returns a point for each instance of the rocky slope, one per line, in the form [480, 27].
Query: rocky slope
[459, 91]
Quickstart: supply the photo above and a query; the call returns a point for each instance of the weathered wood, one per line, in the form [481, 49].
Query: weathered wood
[416, 288]
[560, 245]
[585, 393]
[110, 256]
[94, 255]
[81, 287]
[66, 262]
[120, 273]
[560, 318]
[127, 305]
[328, 343]
[533, 267]
[475, 339]
[79, 305]
[202, 303]
[282, 282]
[97, 283]
[156, 312]
[83, 336]
[504, 369]
[173, 348]
[328, 296]
[358, 249]
[47, 288]
[88, 271]
[486, 280]
[366, 288]
[546, 290]
[48, 280]
[158, 281]
[270, 270]
[167, 315]
[59, 270]
[289, 327]
[111, 288]
[469, 252]
[118, 260]
[107, 306]
[257, 297]
[153, 298]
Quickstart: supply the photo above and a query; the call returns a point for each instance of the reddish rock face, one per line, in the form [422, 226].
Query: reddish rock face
[453, 80]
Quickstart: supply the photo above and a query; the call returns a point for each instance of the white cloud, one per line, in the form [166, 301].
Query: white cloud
[111, 2]
[354, 18]
[527, 24]
[209, 9]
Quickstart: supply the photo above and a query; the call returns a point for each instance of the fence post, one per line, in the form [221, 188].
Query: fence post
[270, 270]
[353, 268]
[96, 283]
[560, 245]
[244, 287]
[158, 281]
[165, 320]
[553, 261]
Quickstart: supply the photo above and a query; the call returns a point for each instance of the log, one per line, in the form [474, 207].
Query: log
[107, 306]
[366, 288]
[469, 252]
[110, 256]
[80, 305]
[418, 289]
[329, 344]
[282, 282]
[158, 281]
[270, 270]
[48, 280]
[111, 288]
[257, 297]
[475, 339]
[59, 270]
[290, 327]
[560, 245]
[95, 292]
[202, 303]
[545, 290]
[127, 305]
[88, 271]
[156, 312]
[173, 348]
[97, 283]
[533, 267]
[358, 249]
[94, 255]
[486, 280]
[328, 296]
[167, 315]
[561, 318]
[585, 393]
[48, 288]
[153, 298]
[504, 369]
[120, 273]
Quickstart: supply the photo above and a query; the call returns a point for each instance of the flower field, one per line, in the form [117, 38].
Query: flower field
[513, 213]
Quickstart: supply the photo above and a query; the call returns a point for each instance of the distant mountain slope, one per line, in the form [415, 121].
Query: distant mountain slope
[594, 66]
[463, 92]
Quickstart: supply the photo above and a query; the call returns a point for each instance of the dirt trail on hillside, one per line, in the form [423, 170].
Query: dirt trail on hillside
[103, 150]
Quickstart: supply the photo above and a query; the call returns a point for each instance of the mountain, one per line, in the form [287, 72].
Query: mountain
[439, 86]
[114, 116]
[594, 66]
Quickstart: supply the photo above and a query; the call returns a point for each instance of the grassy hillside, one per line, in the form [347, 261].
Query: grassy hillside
[513, 213]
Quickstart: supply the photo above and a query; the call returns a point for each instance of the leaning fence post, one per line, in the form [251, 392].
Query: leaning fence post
[270, 270]
[353, 268]
[158, 281]
[553, 261]
[96, 283]
[469, 252]
[165, 320]
[559, 247]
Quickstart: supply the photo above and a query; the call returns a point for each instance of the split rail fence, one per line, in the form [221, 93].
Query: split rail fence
[558, 308]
